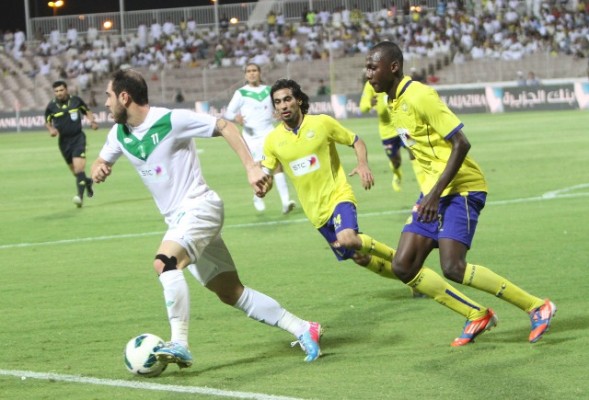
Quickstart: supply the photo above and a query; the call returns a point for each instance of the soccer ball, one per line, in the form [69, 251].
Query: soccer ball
[139, 357]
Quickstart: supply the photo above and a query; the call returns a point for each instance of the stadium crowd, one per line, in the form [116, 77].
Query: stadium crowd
[502, 29]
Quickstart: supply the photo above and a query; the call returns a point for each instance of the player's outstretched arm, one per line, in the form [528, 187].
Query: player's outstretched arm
[92, 119]
[256, 177]
[362, 169]
[100, 170]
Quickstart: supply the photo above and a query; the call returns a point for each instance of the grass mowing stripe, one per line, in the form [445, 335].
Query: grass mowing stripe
[142, 385]
[557, 194]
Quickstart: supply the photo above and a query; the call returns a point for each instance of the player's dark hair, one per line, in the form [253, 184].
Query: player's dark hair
[390, 51]
[250, 64]
[296, 92]
[130, 81]
[253, 64]
[57, 84]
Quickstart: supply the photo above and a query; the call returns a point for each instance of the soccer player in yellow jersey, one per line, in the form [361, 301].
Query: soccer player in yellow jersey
[391, 141]
[305, 146]
[446, 213]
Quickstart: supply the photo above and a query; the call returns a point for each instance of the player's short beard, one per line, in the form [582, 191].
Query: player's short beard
[120, 115]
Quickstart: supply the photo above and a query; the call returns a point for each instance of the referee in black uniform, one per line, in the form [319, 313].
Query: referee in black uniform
[63, 118]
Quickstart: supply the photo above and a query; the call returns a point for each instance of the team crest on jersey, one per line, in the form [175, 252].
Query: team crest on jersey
[404, 107]
[310, 135]
[304, 165]
[403, 133]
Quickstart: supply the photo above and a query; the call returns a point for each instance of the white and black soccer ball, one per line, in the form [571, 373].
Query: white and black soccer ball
[140, 358]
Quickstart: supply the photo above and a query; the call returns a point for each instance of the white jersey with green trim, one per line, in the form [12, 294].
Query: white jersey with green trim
[163, 152]
[254, 104]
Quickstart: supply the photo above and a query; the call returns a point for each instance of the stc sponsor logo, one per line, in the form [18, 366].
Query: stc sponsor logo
[304, 165]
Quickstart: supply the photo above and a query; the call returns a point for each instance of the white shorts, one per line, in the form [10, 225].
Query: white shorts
[197, 228]
[256, 146]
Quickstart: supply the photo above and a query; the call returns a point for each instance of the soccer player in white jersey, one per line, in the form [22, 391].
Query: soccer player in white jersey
[159, 144]
[251, 107]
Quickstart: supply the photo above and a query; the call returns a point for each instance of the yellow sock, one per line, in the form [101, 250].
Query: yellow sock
[381, 267]
[398, 173]
[434, 286]
[374, 247]
[483, 278]
[419, 174]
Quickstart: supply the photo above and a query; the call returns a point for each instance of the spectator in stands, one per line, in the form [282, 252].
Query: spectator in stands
[61, 72]
[92, 100]
[223, 23]
[55, 38]
[337, 18]
[191, 25]
[219, 55]
[179, 96]
[168, 28]
[271, 21]
[356, 17]
[155, 31]
[280, 22]
[19, 39]
[323, 89]
[311, 17]
[324, 17]
[142, 35]
[532, 79]
[72, 35]
[91, 34]
[521, 79]
[44, 48]
[8, 40]
[83, 80]
[417, 75]
[45, 67]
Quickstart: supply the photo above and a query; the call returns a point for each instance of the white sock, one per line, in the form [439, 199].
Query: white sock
[282, 186]
[293, 324]
[177, 300]
[265, 309]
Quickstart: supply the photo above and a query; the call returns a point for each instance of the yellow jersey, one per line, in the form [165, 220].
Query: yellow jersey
[425, 124]
[385, 129]
[309, 158]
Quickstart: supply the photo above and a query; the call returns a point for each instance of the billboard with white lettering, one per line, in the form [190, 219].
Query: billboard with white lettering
[485, 98]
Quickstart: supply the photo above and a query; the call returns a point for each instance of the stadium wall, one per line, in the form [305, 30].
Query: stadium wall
[487, 98]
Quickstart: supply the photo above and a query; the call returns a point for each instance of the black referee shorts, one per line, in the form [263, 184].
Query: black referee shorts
[72, 146]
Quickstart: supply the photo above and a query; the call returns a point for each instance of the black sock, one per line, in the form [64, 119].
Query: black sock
[81, 183]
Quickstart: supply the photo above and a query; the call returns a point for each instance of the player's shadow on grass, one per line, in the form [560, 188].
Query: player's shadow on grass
[59, 216]
[134, 201]
[240, 362]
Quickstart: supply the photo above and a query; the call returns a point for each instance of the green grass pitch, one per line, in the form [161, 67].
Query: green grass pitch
[77, 284]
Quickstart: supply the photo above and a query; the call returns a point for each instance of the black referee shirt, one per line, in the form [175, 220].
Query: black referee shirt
[66, 116]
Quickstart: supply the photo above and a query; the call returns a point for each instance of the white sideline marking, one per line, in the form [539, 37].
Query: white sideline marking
[556, 194]
[143, 385]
